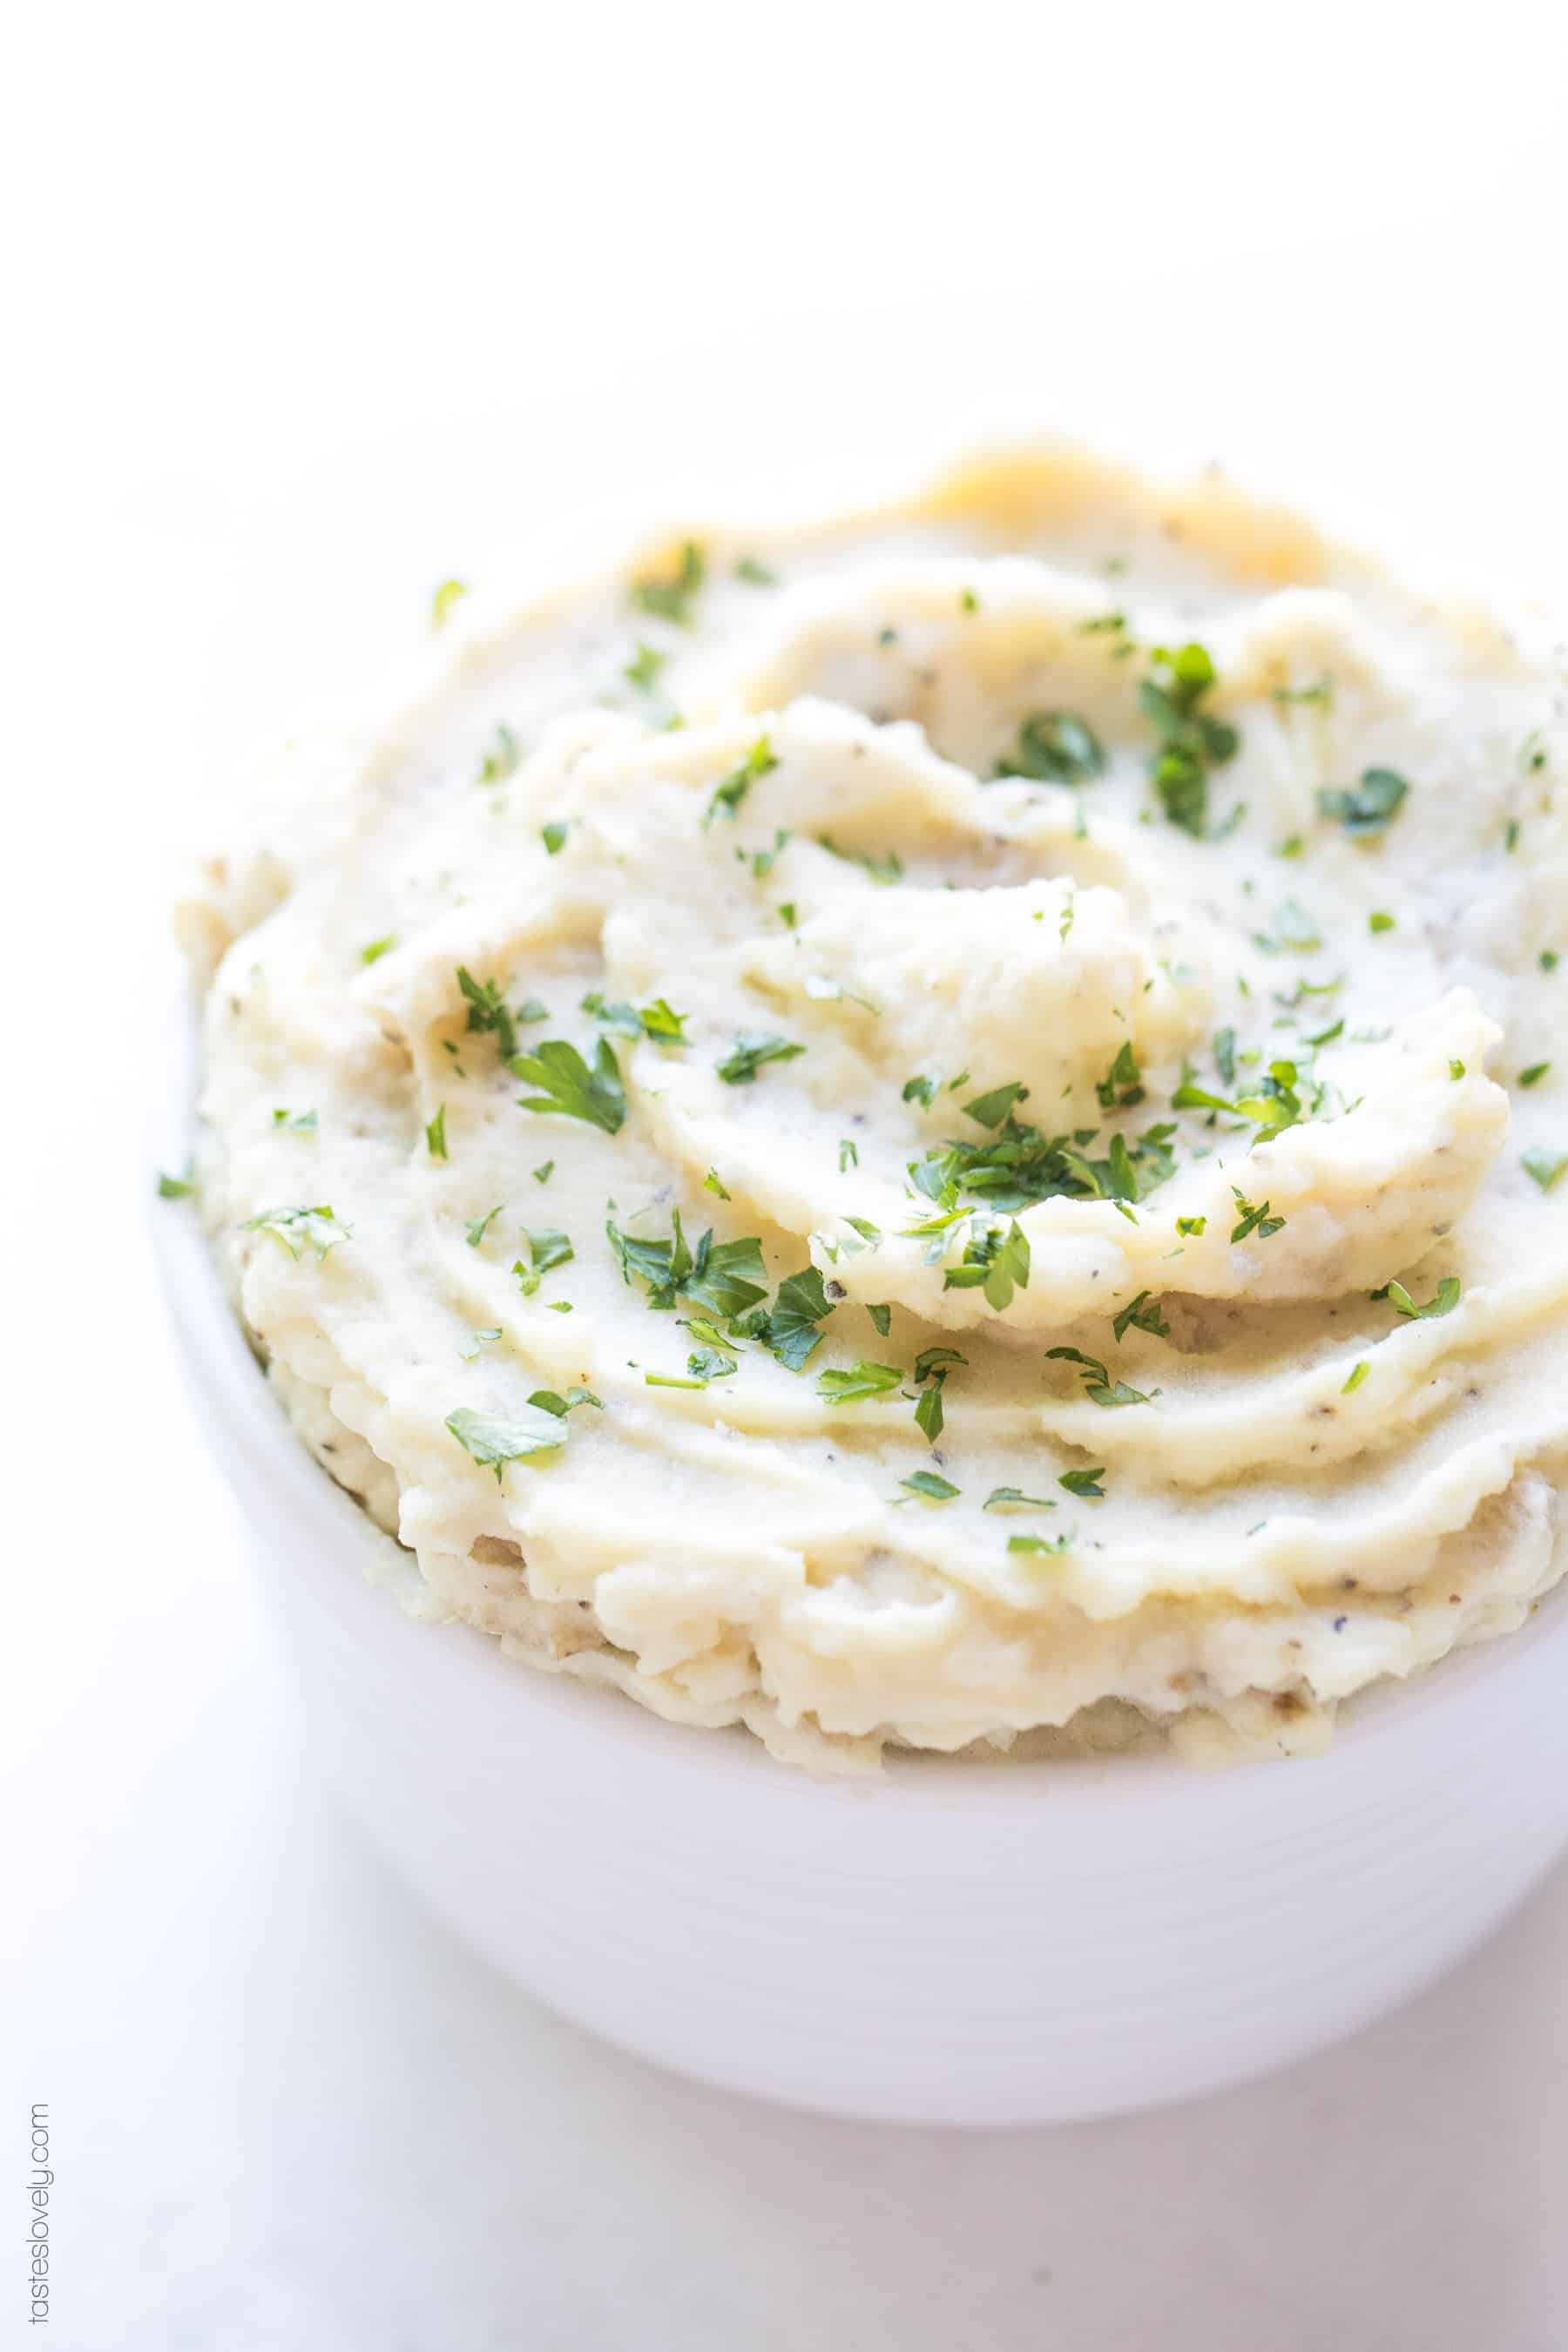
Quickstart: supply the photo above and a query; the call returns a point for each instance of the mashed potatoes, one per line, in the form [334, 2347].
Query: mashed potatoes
[946, 1124]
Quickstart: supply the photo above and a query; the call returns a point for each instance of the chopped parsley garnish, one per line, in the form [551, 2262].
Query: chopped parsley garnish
[669, 595]
[175, 1188]
[1358, 1373]
[1443, 1301]
[789, 1328]
[298, 1229]
[1545, 1167]
[546, 1249]
[881, 1320]
[822, 990]
[920, 1090]
[543, 1172]
[489, 1012]
[435, 1134]
[990, 1110]
[995, 1260]
[644, 667]
[470, 1347]
[1224, 1055]
[298, 1122]
[1122, 1083]
[849, 1156]
[444, 597]
[1321, 691]
[1018, 1165]
[492, 1442]
[1084, 1482]
[1055, 747]
[1371, 807]
[726, 1276]
[751, 1049]
[1142, 1314]
[1098, 1385]
[501, 758]
[861, 1379]
[656, 1020]
[1013, 1498]
[553, 837]
[1056, 1544]
[478, 1226]
[1191, 1227]
[1378, 920]
[1276, 1105]
[1533, 1075]
[1253, 1220]
[932, 1368]
[1455, 1069]
[710, 1183]
[1294, 929]
[1191, 743]
[761, 862]
[758, 761]
[755, 574]
[378, 948]
[927, 1482]
[887, 869]
[569, 1087]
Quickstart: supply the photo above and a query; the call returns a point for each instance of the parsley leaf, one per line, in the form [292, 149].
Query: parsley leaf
[1084, 1482]
[751, 1048]
[435, 1134]
[1533, 1075]
[300, 1228]
[669, 595]
[1253, 1220]
[1002, 1498]
[862, 1380]
[444, 597]
[377, 949]
[478, 1226]
[758, 761]
[644, 667]
[175, 1188]
[1055, 747]
[487, 1012]
[492, 1442]
[500, 761]
[754, 573]
[990, 1110]
[1098, 1384]
[790, 1329]
[553, 837]
[1544, 1166]
[1139, 1316]
[995, 1260]
[1191, 743]
[1443, 1301]
[728, 1277]
[546, 1249]
[1371, 807]
[569, 1087]
[927, 1482]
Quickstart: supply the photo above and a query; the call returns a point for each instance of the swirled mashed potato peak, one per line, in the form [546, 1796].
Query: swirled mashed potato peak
[941, 1127]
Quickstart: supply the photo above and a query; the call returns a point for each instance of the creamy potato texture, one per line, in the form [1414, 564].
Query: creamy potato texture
[943, 1125]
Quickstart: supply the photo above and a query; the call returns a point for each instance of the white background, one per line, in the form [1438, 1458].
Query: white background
[308, 307]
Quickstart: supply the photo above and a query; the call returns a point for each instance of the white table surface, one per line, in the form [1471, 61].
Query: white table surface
[310, 333]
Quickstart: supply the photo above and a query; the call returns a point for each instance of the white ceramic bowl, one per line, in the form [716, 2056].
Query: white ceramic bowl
[966, 1943]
